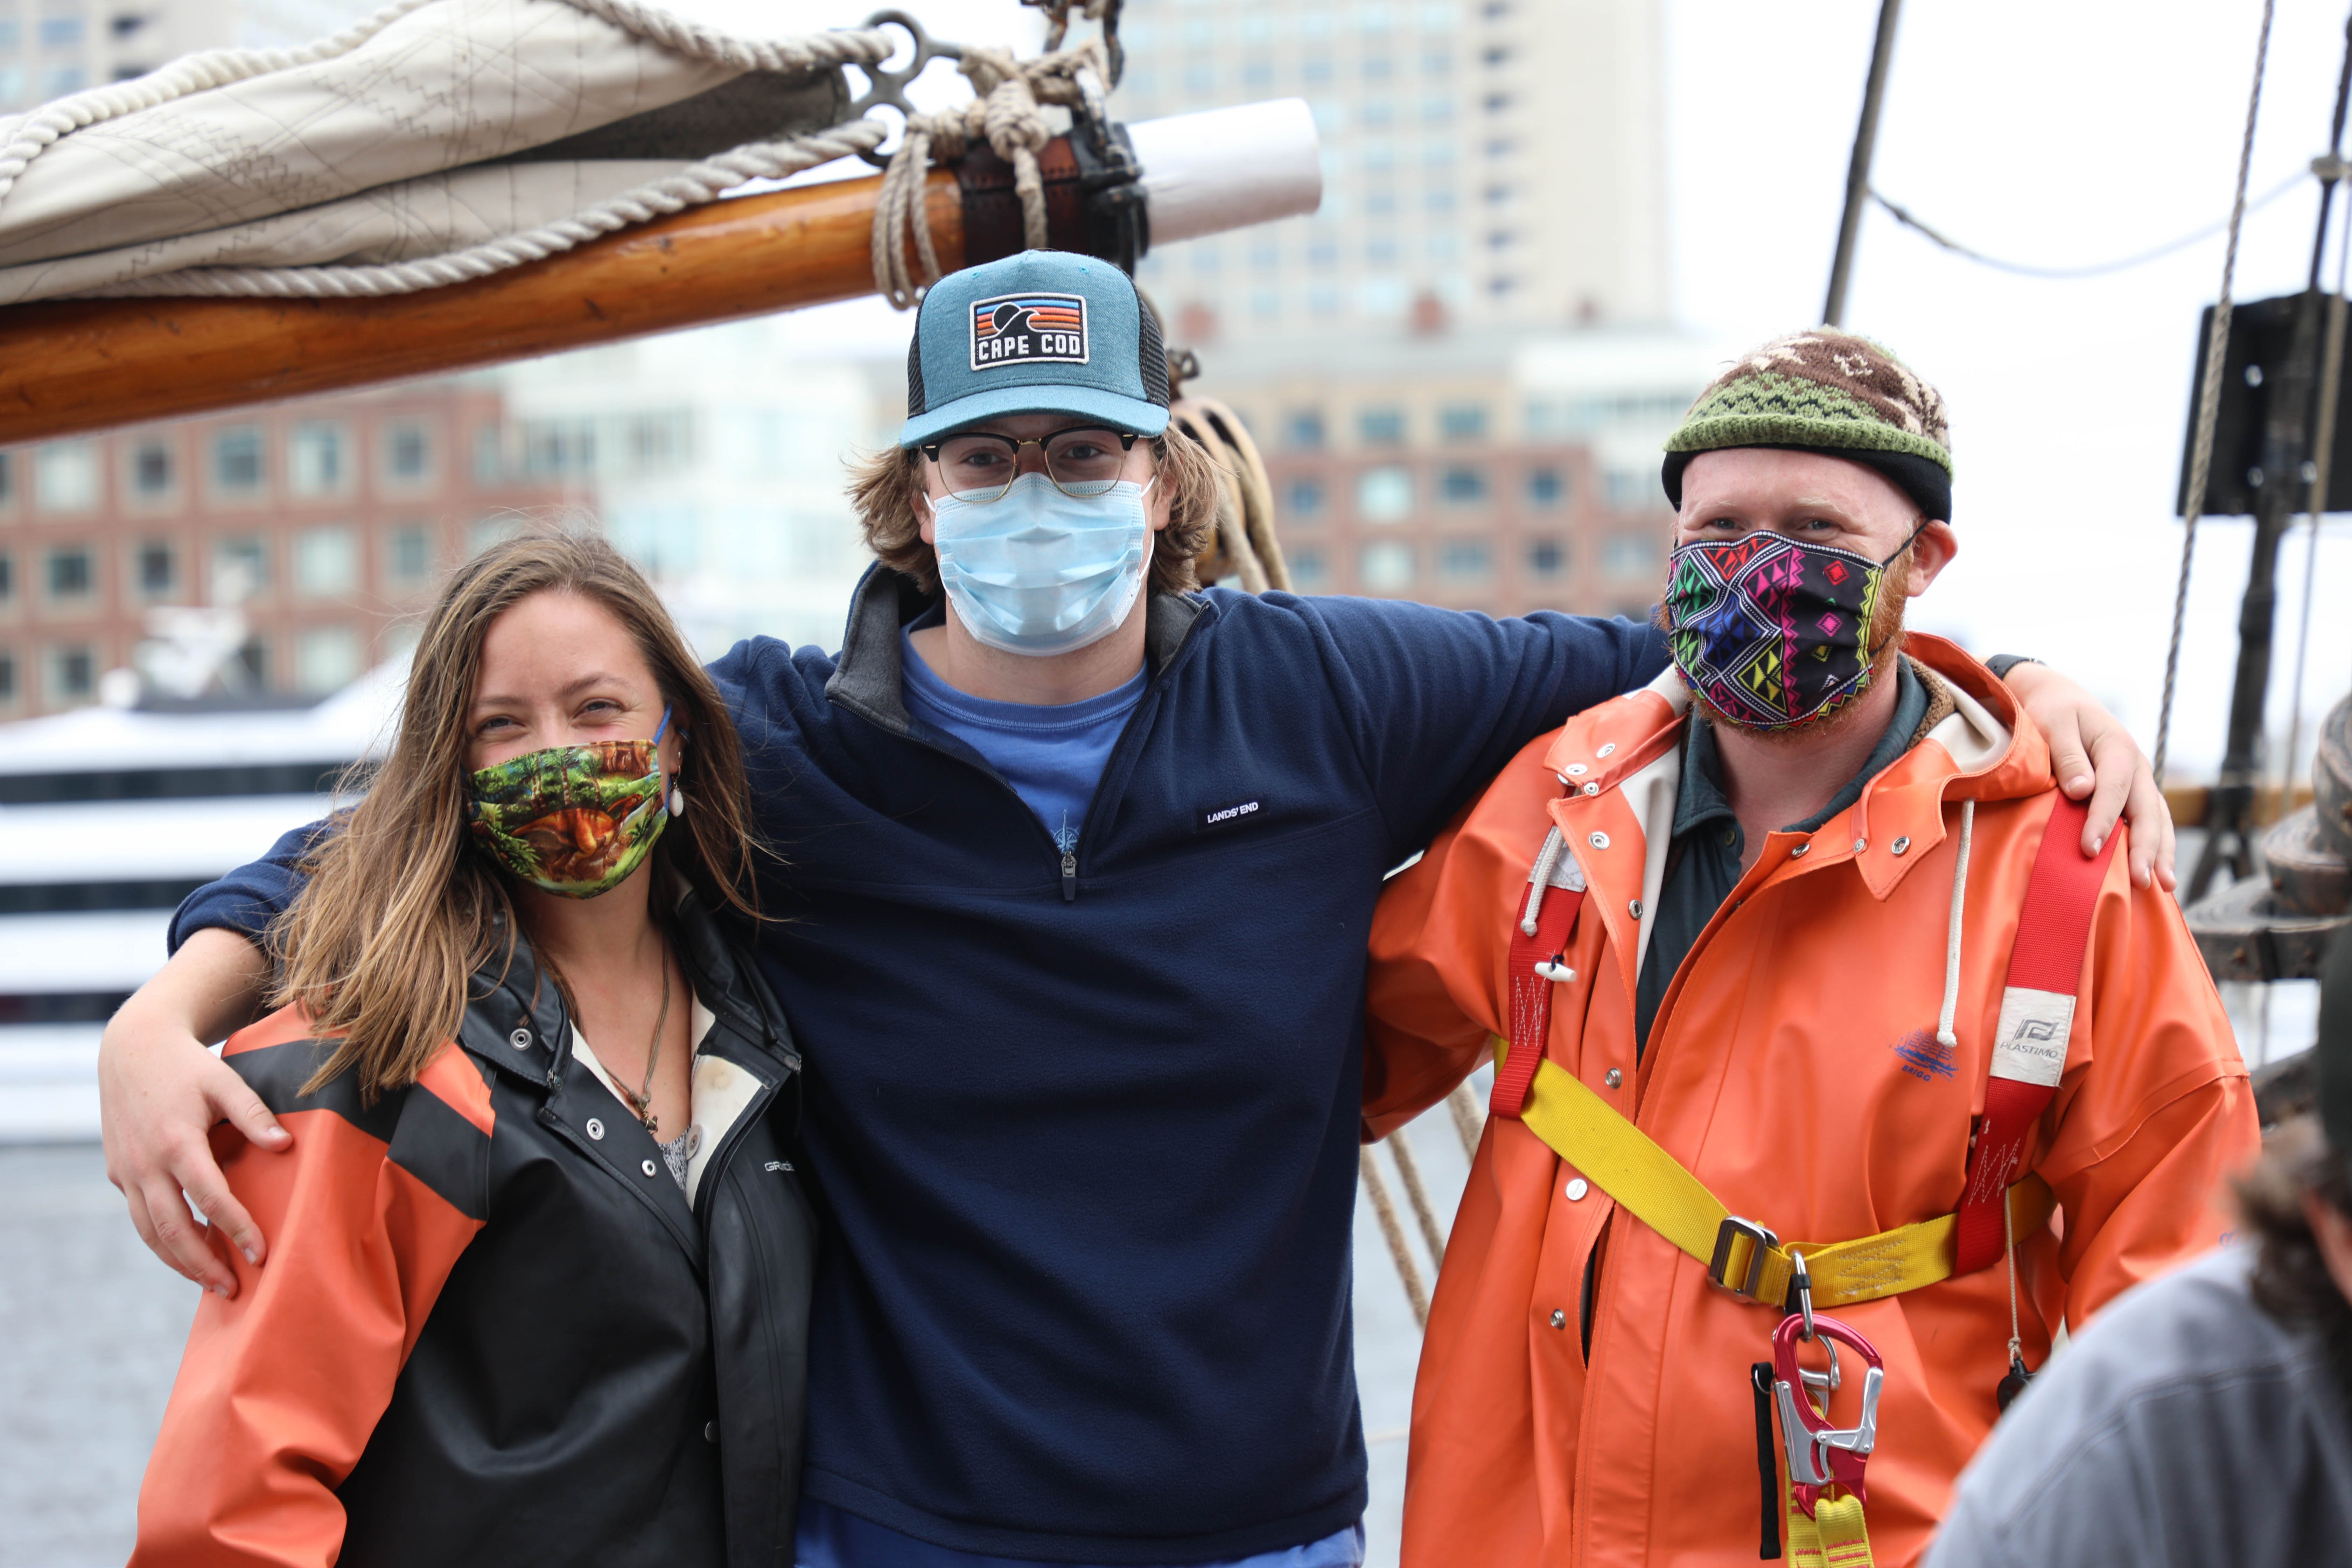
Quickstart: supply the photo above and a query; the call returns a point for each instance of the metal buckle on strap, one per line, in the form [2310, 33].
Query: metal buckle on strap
[1761, 1243]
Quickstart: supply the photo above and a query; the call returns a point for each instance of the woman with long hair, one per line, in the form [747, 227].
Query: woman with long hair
[539, 1282]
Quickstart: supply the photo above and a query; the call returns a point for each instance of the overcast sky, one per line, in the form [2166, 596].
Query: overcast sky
[2049, 134]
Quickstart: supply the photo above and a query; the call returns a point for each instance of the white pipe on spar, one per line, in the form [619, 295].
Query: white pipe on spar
[1228, 168]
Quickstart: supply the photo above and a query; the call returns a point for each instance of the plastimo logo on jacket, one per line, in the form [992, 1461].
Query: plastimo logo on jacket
[1028, 328]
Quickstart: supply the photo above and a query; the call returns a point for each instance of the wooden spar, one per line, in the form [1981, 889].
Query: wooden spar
[2191, 803]
[69, 366]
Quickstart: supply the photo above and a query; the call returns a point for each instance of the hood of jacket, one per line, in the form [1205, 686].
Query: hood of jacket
[1630, 749]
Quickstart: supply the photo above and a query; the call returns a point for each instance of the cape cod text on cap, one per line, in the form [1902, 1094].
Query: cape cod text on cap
[1045, 331]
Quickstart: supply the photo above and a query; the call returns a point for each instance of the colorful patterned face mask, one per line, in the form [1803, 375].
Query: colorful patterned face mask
[574, 820]
[1770, 629]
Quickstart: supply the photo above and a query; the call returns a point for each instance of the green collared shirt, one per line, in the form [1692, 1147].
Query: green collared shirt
[1703, 865]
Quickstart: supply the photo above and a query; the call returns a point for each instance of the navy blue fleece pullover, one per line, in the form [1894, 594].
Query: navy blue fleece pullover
[1086, 1128]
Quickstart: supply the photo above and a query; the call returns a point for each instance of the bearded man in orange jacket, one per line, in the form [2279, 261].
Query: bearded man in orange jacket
[1767, 920]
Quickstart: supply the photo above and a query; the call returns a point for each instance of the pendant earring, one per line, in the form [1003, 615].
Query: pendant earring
[677, 801]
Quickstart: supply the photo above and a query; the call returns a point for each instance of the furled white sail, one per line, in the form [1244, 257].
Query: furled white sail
[435, 140]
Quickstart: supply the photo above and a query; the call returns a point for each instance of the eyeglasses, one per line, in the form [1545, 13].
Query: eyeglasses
[1082, 461]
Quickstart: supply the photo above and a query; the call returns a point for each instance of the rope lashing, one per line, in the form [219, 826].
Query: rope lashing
[2209, 399]
[1409, 1172]
[1007, 112]
[1469, 1118]
[1384, 1209]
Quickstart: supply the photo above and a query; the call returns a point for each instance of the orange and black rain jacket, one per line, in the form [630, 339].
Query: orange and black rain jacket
[492, 1329]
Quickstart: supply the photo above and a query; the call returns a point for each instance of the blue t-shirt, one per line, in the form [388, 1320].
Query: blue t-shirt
[1053, 756]
[832, 1538]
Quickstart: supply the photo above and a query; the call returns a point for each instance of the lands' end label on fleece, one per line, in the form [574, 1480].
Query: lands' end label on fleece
[1226, 816]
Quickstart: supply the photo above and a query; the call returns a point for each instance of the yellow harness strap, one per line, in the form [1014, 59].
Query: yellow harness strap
[1833, 1537]
[1621, 1160]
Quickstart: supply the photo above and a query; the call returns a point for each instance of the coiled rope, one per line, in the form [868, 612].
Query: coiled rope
[1244, 546]
[2209, 399]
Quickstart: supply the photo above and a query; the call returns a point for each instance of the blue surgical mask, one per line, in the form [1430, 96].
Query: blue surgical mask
[1037, 572]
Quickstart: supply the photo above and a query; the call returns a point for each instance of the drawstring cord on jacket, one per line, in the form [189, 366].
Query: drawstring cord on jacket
[1944, 1034]
[1546, 862]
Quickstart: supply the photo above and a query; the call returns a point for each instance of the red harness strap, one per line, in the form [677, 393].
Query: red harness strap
[2037, 1016]
[1533, 954]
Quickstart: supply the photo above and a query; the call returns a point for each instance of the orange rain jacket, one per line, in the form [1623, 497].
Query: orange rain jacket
[1792, 1069]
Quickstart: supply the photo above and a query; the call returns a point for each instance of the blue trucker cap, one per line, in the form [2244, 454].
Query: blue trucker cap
[1044, 331]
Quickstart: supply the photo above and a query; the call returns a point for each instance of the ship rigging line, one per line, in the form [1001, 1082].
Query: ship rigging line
[2209, 398]
[2331, 371]
[1910, 220]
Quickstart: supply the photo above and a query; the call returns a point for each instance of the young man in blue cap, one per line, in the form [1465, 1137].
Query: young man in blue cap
[1079, 866]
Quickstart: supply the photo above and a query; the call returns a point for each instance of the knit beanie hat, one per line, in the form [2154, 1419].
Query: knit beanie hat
[1829, 391]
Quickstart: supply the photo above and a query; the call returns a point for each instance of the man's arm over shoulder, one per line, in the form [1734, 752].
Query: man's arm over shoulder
[1439, 699]
[1436, 991]
[763, 682]
[280, 1389]
[246, 900]
[2155, 1116]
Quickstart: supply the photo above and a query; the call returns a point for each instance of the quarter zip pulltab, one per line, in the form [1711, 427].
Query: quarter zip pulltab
[1069, 876]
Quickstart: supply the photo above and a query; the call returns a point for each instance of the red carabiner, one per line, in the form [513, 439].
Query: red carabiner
[1822, 1455]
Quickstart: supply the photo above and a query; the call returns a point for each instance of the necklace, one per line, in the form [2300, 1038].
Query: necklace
[640, 1099]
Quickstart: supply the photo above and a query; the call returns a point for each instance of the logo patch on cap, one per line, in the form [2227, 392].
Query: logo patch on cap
[1028, 328]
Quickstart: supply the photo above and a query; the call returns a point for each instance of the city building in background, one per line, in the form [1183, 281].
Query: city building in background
[1460, 367]
[1483, 469]
[715, 459]
[319, 524]
[1505, 156]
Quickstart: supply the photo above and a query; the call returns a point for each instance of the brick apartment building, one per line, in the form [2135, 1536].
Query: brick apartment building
[1480, 522]
[1503, 471]
[326, 519]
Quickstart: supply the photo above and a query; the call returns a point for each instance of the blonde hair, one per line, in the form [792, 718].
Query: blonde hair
[884, 486]
[381, 944]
